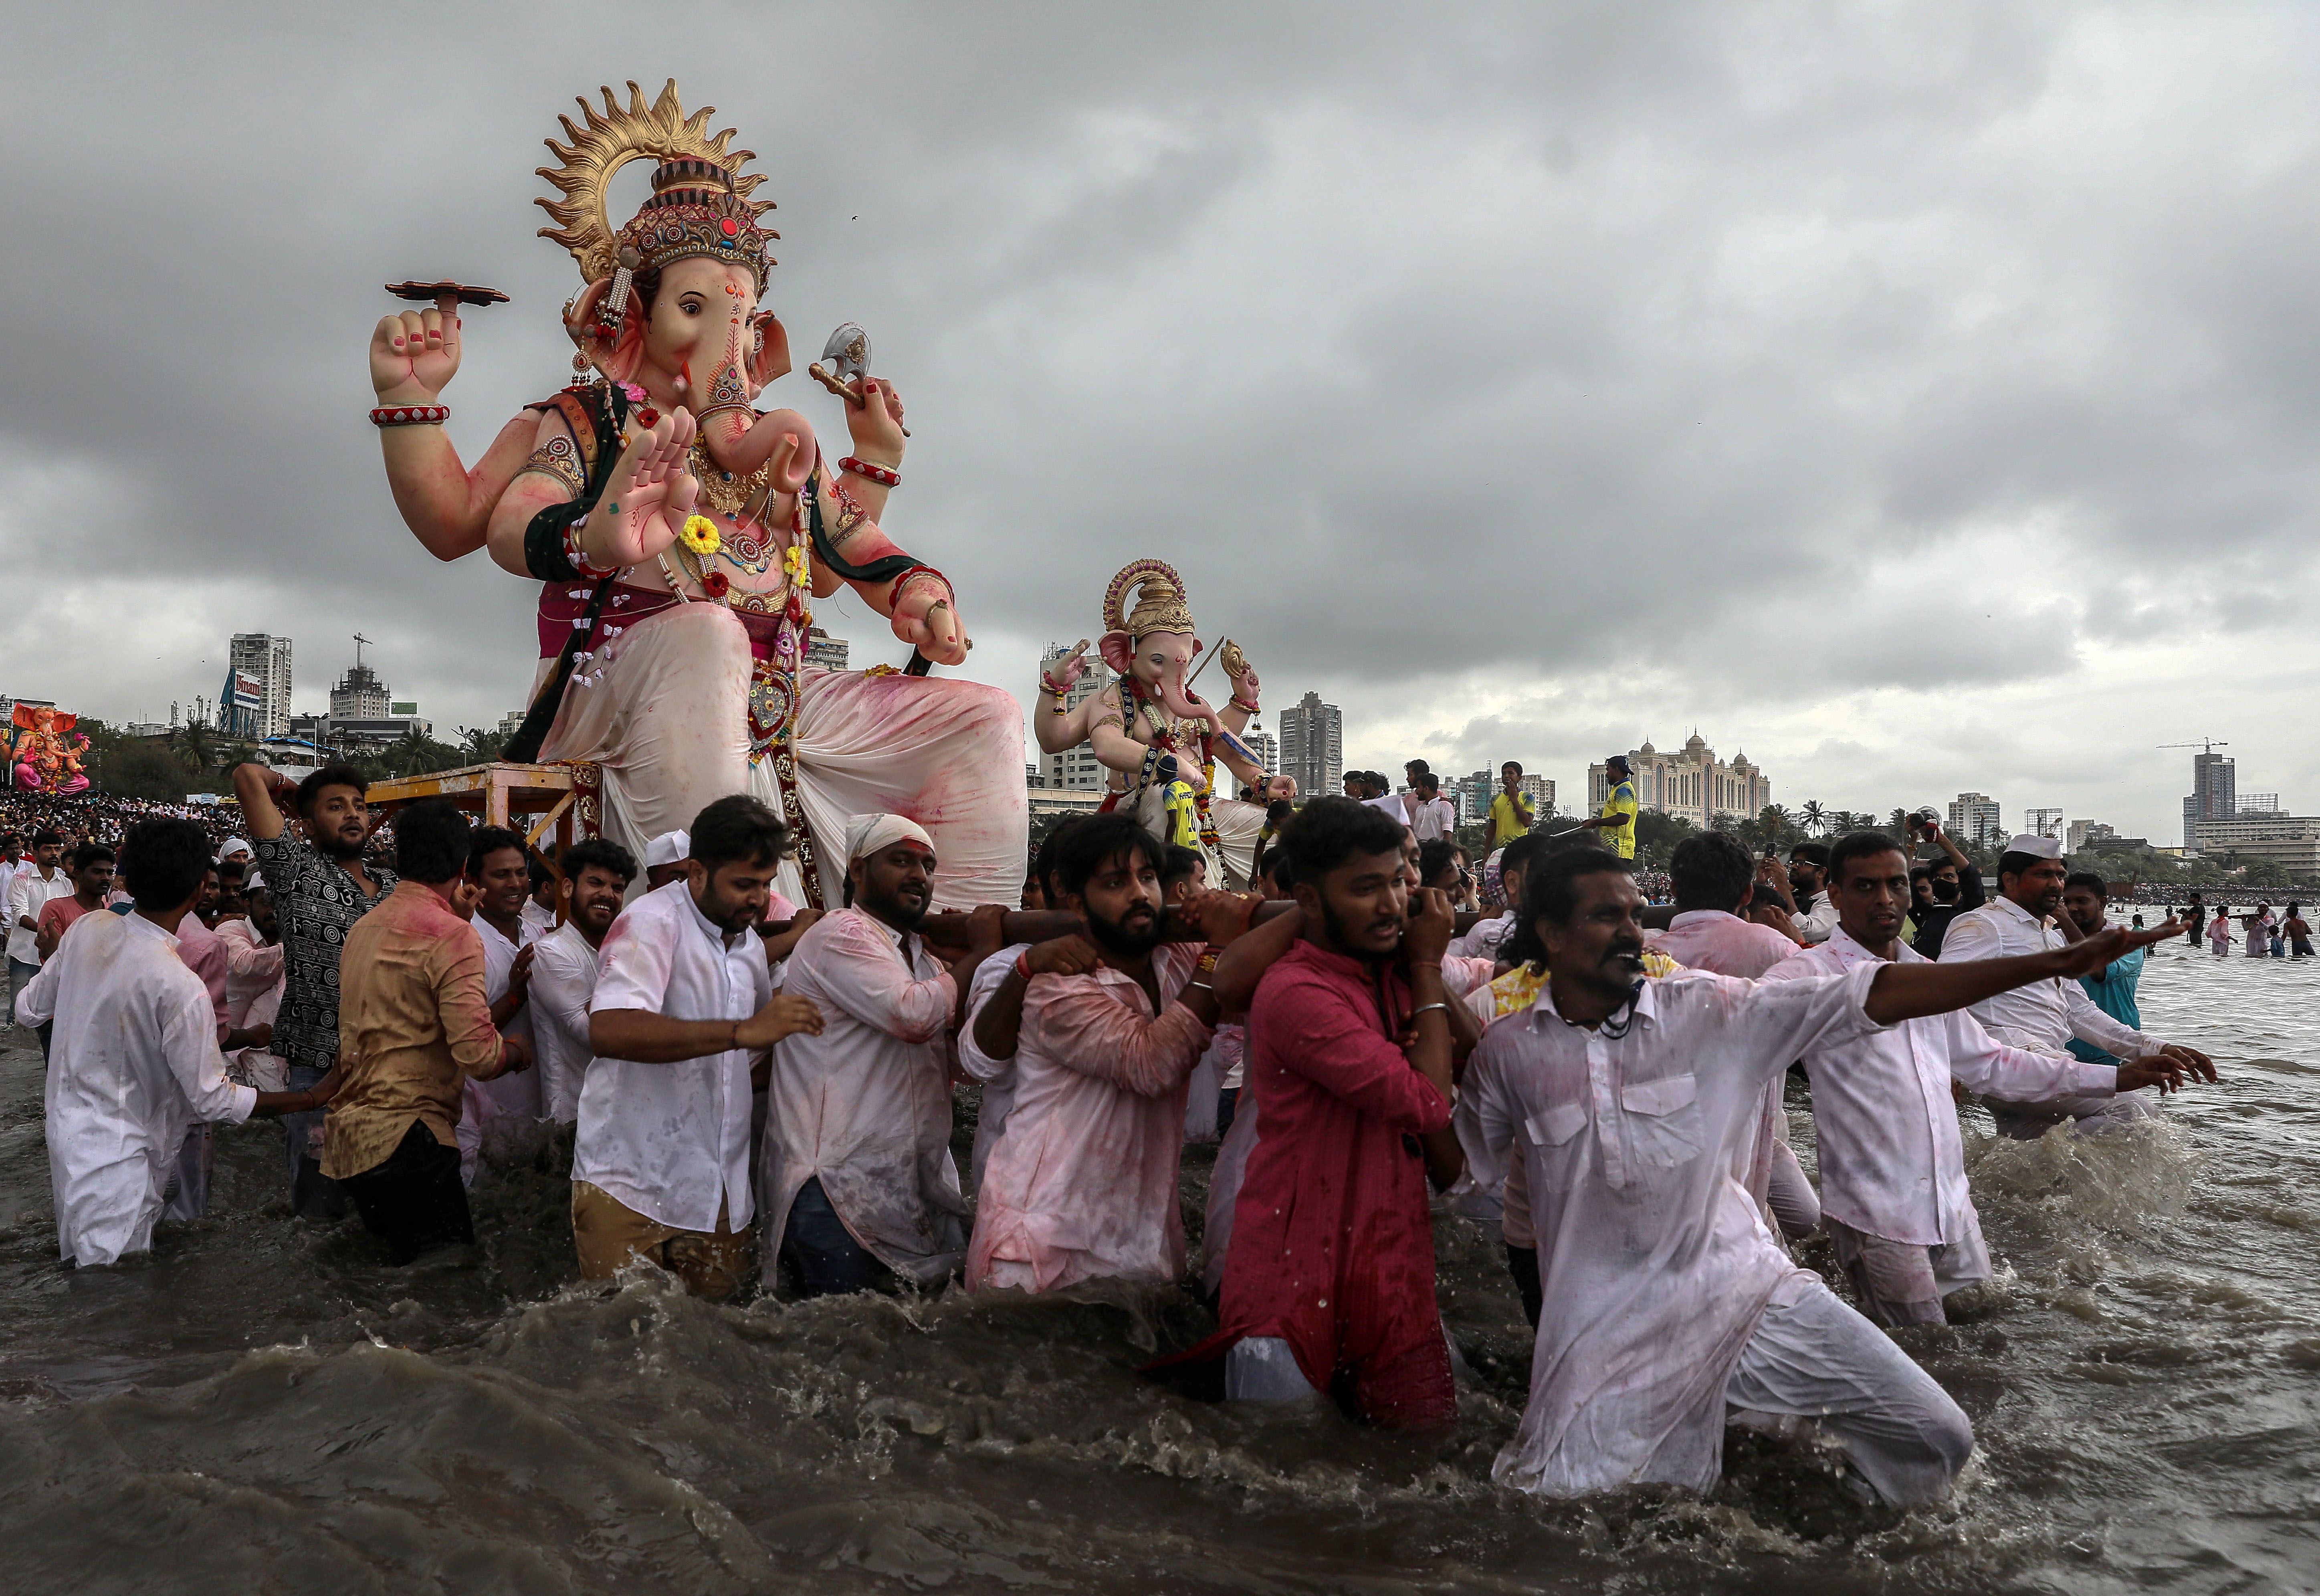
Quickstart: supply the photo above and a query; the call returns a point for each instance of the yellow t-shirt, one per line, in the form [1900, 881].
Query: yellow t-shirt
[1620, 839]
[1506, 825]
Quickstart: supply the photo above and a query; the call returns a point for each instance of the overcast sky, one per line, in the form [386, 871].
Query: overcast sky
[1920, 398]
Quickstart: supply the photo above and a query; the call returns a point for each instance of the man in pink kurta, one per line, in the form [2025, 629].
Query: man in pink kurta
[1082, 1184]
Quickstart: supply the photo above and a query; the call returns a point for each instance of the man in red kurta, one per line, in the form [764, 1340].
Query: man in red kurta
[1331, 1273]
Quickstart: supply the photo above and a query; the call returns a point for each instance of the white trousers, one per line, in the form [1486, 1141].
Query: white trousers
[1814, 1364]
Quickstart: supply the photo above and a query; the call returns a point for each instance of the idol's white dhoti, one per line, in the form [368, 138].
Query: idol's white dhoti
[662, 710]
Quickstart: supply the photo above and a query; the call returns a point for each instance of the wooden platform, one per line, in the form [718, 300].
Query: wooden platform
[557, 803]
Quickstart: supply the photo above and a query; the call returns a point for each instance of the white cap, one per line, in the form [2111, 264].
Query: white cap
[2044, 848]
[233, 844]
[670, 847]
[867, 833]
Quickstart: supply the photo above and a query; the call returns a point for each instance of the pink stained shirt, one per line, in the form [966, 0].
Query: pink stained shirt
[866, 1106]
[1082, 1184]
[205, 955]
[1333, 1241]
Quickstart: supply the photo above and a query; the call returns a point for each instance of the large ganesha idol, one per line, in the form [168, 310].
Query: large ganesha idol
[1161, 739]
[46, 755]
[680, 534]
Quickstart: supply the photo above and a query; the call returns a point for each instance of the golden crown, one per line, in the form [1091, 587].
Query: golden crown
[699, 204]
[1160, 601]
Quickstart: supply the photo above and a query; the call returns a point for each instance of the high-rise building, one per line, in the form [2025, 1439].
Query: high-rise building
[1265, 747]
[1473, 794]
[2214, 793]
[359, 695]
[1313, 746]
[825, 652]
[267, 659]
[1692, 783]
[1973, 818]
[2083, 832]
[1075, 769]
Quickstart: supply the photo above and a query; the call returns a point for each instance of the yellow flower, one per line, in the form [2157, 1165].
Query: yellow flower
[700, 535]
[799, 565]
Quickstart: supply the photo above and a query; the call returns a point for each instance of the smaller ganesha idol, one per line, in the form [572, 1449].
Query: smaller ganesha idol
[1159, 739]
[46, 758]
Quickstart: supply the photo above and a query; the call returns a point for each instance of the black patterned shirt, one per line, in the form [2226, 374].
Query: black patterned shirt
[315, 902]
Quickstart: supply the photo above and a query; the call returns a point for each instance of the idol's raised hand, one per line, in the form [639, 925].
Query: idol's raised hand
[926, 618]
[649, 498]
[415, 354]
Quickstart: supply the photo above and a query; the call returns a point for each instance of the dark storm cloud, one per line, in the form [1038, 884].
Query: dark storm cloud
[1529, 380]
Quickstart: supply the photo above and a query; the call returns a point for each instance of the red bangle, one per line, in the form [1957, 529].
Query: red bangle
[1023, 964]
[410, 415]
[881, 475]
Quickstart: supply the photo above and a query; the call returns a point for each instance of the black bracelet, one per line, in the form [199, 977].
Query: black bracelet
[543, 542]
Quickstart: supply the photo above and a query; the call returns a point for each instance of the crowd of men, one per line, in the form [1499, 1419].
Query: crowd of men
[760, 1091]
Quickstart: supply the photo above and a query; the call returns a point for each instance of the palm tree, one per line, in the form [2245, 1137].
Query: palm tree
[1814, 816]
[196, 744]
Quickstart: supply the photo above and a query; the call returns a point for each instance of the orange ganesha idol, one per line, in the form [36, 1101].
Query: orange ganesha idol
[44, 760]
[680, 535]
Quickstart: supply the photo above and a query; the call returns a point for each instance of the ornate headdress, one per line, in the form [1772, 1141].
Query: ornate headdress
[1160, 604]
[700, 203]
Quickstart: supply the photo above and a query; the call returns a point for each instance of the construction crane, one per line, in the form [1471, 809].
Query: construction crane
[2205, 744]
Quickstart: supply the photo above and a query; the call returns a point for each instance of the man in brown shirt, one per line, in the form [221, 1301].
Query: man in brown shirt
[413, 1025]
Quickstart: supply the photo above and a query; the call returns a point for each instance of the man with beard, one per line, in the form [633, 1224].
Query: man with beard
[1892, 1166]
[1082, 1183]
[860, 1184]
[1815, 913]
[683, 1003]
[253, 988]
[1330, 1281]
[1667, 1303]
[597, 876]
[321, 888]
[992, 1028]
[1952, 882]
[2043, 1017]
[499, 883]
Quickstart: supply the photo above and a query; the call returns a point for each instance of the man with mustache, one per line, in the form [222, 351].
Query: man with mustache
[2026, 918]
[1666, 1301]
[597, 876]
[1330, 1277]
[684, 1004]
[1082, 1184]
[1892, 1165]
[860, 1184]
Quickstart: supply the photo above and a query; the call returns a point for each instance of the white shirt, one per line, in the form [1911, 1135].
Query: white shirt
[2044, 1016]
[28, 894]
[537, 921]
[562, 983]
[997, 1075]
[1891, 1160]
[134, 1062]
[1431, 822]
[1483, 941]
[1654, 1264]
[865, 1107]
[672, 1140]
[1392, 804]
[253, 969]
[512, 1091]
[1818, 919]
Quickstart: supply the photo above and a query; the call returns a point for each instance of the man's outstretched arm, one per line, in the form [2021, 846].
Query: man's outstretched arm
[1905, 992]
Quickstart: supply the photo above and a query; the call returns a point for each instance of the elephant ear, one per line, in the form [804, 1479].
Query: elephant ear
[620, 358]
[1119, 650]
[770, 358]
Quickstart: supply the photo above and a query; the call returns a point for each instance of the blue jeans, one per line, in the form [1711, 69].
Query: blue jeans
[20, 976]
[822, 1253]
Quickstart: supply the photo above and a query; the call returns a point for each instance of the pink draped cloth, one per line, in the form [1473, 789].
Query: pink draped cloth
[1082, 1183]
[662, 707]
